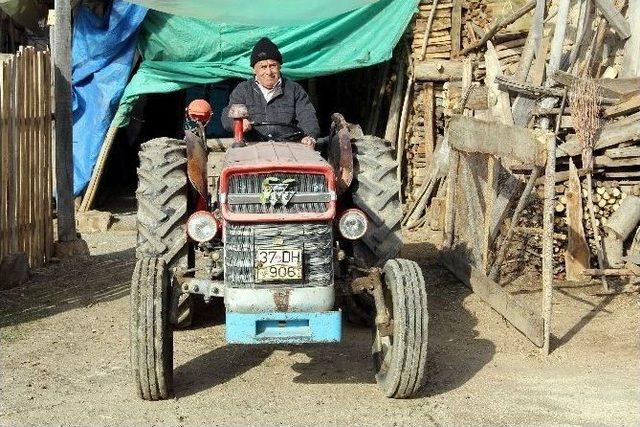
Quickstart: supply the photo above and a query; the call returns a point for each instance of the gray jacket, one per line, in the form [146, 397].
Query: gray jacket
[290, 104]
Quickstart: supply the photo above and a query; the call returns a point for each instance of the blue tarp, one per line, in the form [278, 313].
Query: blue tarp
[102, 58]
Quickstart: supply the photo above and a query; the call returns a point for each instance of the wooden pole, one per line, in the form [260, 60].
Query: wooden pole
[64, 121]
[547, 240]
[510, 19]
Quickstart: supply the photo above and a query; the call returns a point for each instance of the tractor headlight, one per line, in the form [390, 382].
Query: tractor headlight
[202, 226]
[353, 224]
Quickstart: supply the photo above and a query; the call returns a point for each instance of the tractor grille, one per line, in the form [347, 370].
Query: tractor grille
[311, 194]
[242, 241]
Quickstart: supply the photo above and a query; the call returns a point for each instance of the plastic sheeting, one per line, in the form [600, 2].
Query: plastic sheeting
[102, 57]
[256, 12]
[181, 52]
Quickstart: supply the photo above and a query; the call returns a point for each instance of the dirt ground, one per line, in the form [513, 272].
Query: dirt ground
[64, 359]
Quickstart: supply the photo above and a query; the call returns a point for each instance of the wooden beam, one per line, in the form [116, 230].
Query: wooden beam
[477, 136]
[615, 18]
[576, 257]
[63, 122]
[438, 70]
[627, 106]
[456, 27]
[523, 319]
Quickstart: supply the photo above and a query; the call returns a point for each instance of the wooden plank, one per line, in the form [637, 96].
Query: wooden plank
[576, 257]
[450, 202]
[64, 128]
[473, 135]
[613, 163]
[48, 163]
[498, 100]
[438, 71]
[12, 186]
[627, 106]
[618, 153]
[527, 322]
[621, 86]
[456, 27]
[391, 131]
[607, 136]
[4, 159]
[615, 18]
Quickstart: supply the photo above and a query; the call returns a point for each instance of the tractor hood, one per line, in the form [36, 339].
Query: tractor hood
[270, 155]
[276, 181]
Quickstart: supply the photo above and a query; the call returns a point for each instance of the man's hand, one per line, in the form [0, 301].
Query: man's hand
[309, 141]
[246, 125]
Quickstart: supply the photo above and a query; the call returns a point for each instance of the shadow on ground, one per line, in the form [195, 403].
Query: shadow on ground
[456, 354]
[66, 286]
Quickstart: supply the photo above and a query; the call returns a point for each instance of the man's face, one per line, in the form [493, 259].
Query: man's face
[267, 72]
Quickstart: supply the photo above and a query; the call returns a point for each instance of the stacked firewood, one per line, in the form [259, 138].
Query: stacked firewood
[440, 36]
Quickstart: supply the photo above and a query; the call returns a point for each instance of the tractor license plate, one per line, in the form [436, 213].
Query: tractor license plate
[278, 264]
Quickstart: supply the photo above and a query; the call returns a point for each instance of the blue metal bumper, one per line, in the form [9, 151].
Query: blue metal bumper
[283, 327]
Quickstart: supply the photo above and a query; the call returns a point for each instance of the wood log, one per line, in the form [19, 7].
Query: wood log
[438, 71]
[626, 219]
[477, 136]
[577, 255]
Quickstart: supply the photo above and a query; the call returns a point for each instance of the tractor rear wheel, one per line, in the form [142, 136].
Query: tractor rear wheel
[400, 358]
[376, 191]
[162, 214]
[151, 335]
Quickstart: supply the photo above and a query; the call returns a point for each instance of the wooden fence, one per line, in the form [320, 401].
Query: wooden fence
[26, 223]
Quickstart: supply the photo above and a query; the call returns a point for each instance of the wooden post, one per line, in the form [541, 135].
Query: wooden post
[64, 121]
[547, 239]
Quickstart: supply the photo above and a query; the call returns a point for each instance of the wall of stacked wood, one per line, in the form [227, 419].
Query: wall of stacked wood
[607, 56]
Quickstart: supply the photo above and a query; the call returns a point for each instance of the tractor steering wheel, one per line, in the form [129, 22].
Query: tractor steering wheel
[297, 135]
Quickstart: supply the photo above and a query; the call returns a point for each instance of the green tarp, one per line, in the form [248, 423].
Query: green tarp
[255, 12]
[180, 52]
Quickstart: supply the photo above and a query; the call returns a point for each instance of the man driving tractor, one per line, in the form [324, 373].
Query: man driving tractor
[276, 104]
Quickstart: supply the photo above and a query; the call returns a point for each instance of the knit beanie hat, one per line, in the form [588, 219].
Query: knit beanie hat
[265, 49]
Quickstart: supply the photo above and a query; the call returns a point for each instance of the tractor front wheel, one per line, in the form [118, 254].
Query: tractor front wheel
[151, 335]
[400, 357]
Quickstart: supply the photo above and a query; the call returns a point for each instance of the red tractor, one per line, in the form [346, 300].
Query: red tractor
[286, 236]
